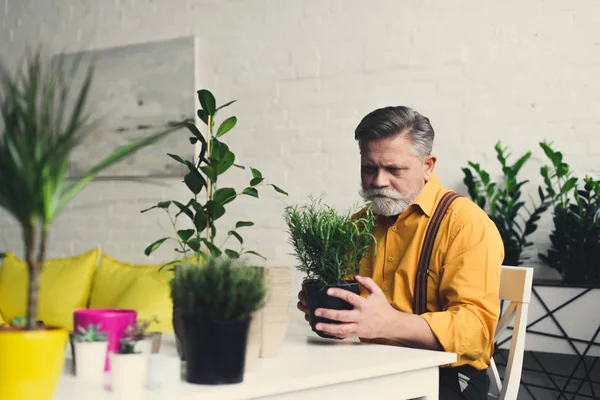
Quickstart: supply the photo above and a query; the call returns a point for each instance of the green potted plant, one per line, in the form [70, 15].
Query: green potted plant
[575, 238]
[128, 370]
[39, 133]
[90, 346]
[143, 335]
[202, 210]
[502, 201]
[217, 298]
[329, 246]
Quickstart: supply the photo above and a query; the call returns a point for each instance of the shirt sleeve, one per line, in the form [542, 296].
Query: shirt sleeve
[469, 292]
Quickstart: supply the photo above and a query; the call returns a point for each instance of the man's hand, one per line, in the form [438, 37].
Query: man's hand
[371, 318]
[303, 305]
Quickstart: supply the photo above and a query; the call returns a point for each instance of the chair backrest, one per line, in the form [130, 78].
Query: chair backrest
[515, 287]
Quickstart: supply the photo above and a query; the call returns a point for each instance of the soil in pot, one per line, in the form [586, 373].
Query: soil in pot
[317, 297]
[215, 351]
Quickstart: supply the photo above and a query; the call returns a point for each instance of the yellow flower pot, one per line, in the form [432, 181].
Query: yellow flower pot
[31, 363]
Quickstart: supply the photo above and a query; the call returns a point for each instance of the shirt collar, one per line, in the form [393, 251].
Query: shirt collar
[426, 200]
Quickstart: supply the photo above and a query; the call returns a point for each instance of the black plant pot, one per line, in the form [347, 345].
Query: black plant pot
[215, 350]
[317, 297]
[178, 329]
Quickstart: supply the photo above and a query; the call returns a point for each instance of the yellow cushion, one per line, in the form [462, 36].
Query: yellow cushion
[65, 285]
[135, 287]
[2, 322]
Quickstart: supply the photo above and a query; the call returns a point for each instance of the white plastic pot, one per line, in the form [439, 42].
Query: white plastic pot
[128, 375]
[90, 358]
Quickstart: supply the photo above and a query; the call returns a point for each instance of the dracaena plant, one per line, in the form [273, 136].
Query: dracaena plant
[203, 210]
[575, 238]
[502, 201]
[39, 133]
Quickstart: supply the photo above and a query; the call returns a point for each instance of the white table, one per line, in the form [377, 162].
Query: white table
[307, 367]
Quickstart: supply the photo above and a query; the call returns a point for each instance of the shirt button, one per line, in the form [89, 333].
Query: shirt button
[390, 259]
[384, 288]
[394, 229]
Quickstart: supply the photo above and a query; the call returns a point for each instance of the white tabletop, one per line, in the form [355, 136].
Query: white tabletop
[305, 361]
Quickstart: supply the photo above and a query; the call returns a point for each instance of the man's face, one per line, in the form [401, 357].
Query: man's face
[392, 176]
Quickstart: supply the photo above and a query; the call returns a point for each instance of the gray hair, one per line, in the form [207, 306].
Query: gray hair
[389, 122]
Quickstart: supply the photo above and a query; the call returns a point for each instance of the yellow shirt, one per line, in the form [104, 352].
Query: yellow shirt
[463, 288]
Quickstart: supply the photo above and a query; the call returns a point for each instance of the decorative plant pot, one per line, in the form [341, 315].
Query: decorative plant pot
[179, 332]
[113, 322]
[91, 359]
[31, 362]
[317, 297]
[215, 350]
[128, 375]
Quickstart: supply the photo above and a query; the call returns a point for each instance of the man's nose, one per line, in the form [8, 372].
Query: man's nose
[381, 180]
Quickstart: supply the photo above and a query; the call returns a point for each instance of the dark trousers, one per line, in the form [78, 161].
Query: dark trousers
[464, 382]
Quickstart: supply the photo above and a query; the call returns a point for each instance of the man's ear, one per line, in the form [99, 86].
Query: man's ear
[428, 166]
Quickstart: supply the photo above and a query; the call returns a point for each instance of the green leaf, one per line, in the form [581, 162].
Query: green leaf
[162, 204]
[250, 191]
[194, 244]
[237, 236]
[226, 104]
[214, 210]
[185, 234]
[239, 166]
[200, 220]
[176, 158]
[232, 254]
[569, 185]
[213, 249]
[256, 181]
[194, 181]
[225, 162]
[210, 172]
[256, 173]
[150, 249]
[207, 101]
[241, 224]
[278, 189]
[254, 253]
[224, 195]
[184, 209]
[203, 116]
[195, 131]
[226, 126]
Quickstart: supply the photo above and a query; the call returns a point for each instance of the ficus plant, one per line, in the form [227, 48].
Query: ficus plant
[39, 133]
[204, 210]
[502, 201]
[575, 238]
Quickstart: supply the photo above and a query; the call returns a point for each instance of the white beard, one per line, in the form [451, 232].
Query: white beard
[393, 203]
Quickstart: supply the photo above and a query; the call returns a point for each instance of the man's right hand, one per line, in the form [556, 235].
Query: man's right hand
[303, 305]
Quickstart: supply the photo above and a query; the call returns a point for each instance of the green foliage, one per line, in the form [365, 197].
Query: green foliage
[329, 245]
[91, 334]
[138, 330]
[219, 288]
[502, 202]
[214, 160]
[18, 322]
[575, 238]
[127, 345]
[39, 133]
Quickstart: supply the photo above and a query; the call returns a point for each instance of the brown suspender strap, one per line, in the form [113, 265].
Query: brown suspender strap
[420, 300]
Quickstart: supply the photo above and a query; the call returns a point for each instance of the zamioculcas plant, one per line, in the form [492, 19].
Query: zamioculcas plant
[203, 210]
[502, 202]
[329, 246]
[40, 131]
[575, 237]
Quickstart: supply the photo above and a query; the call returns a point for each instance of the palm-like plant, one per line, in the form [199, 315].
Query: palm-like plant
[39, 132]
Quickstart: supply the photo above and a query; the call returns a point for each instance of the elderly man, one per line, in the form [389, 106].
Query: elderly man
[453, 305]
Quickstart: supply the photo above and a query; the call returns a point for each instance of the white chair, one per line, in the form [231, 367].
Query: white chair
[515, 287]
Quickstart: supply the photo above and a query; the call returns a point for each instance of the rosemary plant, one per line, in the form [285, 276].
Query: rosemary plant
[328, 244]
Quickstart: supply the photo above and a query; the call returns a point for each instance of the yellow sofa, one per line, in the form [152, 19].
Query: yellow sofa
[91, 279]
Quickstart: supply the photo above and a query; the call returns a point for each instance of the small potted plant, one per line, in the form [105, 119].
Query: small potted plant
[129, 370]
[146, 342]
[329, 246]
[217, 298]
[90, 346]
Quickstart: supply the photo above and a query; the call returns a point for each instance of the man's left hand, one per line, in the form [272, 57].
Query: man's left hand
[369, 319]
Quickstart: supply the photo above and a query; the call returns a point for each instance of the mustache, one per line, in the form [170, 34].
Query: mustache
[389, 193]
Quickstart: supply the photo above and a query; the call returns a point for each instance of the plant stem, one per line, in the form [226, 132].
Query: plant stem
[209, 194]
[32, 293]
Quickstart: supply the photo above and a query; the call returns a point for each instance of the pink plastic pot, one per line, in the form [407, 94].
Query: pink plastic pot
[114, 322]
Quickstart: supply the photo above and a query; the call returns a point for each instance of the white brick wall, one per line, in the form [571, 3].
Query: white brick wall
[306, 71]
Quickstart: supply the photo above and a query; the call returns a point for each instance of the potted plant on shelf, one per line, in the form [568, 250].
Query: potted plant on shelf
[575, 237]
[217, 298]
[201, 211]
[129, 370]
[90, 347]
[39, 133]
[501, 200]
[329, 246]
